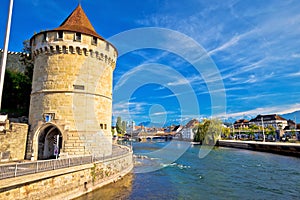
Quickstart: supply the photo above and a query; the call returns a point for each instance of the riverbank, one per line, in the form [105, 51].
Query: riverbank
[289, 149]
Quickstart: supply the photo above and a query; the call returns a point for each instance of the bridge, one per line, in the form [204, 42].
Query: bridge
[144, 136]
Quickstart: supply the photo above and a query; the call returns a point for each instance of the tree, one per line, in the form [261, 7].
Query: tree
[17, 86]
[26, 59]
[214, 131]
[270, 130]
[124, 126]
[16, 90]
[200, 131]
[253, 128]
[226, 131]
[208, 131]
[119, 125]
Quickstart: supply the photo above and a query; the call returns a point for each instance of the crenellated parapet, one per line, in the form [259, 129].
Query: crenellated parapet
[15, 53]
[67, 42]
[49, 49]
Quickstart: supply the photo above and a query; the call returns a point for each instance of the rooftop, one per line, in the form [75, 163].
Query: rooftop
[267, 117]
[77, 21]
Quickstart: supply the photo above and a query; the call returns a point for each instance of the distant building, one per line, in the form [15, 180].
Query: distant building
[177, 128]
[130, 127]
[187, 131]
[241, 123]
[274, 120]
[291, 125]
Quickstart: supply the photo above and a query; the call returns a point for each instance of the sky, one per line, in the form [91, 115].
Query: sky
[180, 60]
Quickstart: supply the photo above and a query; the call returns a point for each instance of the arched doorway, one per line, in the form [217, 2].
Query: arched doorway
[49, 143]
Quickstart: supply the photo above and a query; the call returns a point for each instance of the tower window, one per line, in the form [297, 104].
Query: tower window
[60, 35]
[45, 38]
[94, 41]
[78, 37]
[107, 46]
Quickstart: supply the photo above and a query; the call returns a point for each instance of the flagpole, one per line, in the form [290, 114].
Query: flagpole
[4, 57]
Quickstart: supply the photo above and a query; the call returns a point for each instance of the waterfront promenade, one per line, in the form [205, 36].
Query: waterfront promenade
[284, 148]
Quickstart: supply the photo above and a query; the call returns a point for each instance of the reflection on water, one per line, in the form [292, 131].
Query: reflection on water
[118, 190]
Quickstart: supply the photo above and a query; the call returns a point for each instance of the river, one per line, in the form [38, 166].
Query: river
[225, 173]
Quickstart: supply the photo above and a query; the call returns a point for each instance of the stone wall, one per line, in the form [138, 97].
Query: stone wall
[14, 61]
[13, 141]
[66, 183]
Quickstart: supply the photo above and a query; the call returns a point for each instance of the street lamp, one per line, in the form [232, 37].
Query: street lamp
[4, 57]
[262, 124]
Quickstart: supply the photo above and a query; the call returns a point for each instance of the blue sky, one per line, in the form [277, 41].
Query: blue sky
[251, 54]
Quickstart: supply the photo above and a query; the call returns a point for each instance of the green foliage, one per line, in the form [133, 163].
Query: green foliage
[226, 131]
[93, 173]
[112, 131]
[124, 126]
[16, 93]
[17, 86]
[119, 125]
[252, 129]
[208, 131]
[270, 130]
[200, 131]
[293, 132]
[27, 59]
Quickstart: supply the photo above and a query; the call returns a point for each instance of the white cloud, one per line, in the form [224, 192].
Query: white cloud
[233, 41]
[185, 80]
[123, 109]
[280, 109]
[293, 74]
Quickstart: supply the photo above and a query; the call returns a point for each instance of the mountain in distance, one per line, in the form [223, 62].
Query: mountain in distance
[158, 124]
[151, 124]
[292, 116]
[228, 121]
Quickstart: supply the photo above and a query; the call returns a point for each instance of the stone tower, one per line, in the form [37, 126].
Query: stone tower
[71, 99]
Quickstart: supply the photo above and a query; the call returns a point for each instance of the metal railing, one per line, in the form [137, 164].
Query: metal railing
[20, 169]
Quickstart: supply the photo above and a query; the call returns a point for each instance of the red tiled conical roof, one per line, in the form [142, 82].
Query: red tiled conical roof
[77, 21]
